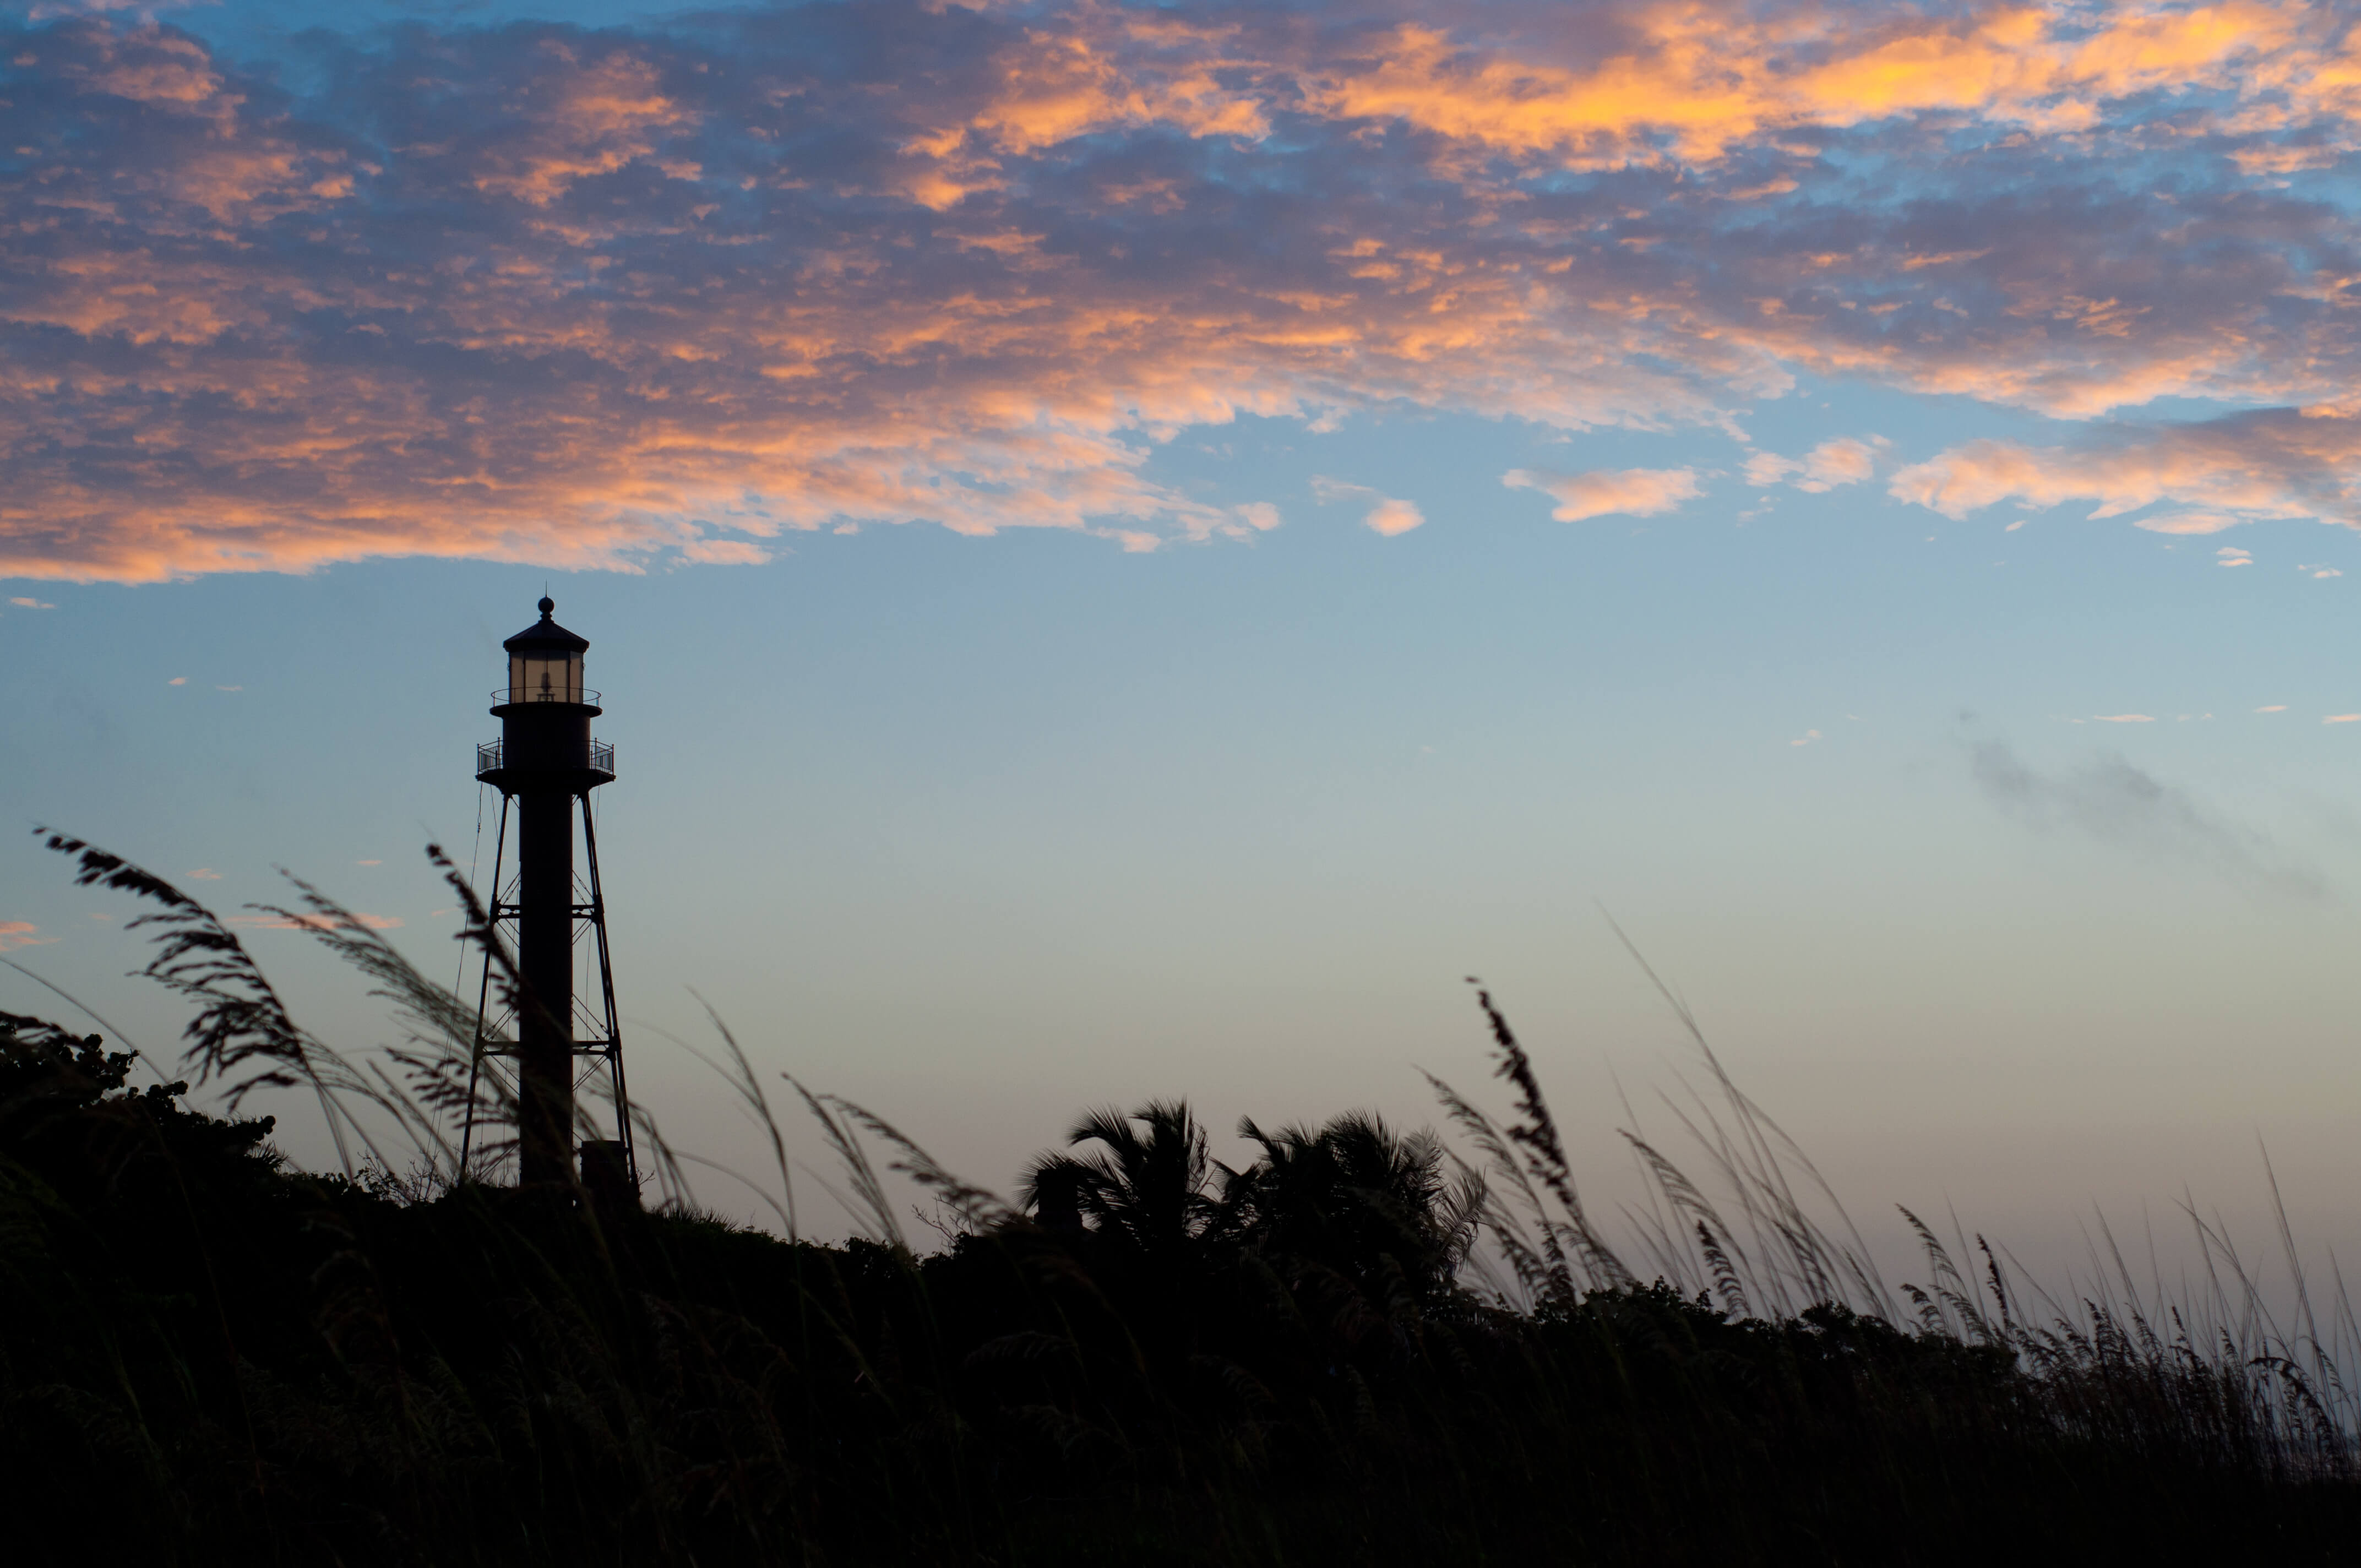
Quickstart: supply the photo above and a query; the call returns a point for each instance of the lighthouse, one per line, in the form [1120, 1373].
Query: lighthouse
[545, 764]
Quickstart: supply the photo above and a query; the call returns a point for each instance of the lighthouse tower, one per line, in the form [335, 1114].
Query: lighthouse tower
[545, 764]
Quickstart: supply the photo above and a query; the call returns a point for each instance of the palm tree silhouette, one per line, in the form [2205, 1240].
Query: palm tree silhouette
[1358, 1200]
[1145, 1193]
[1353, 1209]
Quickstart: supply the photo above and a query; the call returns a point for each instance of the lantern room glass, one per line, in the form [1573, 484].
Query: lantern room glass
[539, 678]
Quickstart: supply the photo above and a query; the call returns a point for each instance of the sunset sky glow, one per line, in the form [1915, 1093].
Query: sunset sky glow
[1162, 536]
[536, 292]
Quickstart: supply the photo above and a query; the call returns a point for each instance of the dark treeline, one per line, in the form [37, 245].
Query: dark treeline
[206, 1355]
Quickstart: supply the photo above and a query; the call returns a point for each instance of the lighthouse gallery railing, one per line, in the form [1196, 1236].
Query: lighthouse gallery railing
[601, 759]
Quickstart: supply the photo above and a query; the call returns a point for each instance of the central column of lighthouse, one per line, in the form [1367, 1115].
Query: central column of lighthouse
[545, 962]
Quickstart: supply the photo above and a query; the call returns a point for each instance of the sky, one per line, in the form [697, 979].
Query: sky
[1132, 548]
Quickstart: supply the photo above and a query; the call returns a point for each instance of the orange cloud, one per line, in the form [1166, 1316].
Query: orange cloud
[1054, 87]
[579, 118]
[590, 298]
[2269, 463]
[21, 934]
[1632, 492]
[1390, 516]
[1844, 460]
[1697, 81]
[312, 922]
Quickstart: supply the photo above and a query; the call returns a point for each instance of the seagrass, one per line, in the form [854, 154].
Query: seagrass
[1370, 1344]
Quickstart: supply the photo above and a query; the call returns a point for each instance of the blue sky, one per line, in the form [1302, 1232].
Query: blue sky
[2006, 850]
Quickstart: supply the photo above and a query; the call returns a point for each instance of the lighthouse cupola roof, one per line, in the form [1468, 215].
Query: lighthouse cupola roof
[544, 638]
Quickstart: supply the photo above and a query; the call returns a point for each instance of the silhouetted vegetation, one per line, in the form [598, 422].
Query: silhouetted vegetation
[1361, 1347]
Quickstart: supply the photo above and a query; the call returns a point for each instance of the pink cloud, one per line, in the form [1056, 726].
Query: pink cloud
[1844, 460]
[312, 922]
[1390, 517]
[1631, 492]
[2183, 523]
[597, 297]
[21, 934]
[2267, 464]
[724, 552]
[1702, 82]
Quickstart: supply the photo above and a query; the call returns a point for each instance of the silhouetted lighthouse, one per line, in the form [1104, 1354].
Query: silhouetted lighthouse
[544, 764]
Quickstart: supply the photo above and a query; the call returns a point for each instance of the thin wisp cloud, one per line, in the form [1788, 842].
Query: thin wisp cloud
[2116, 803]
